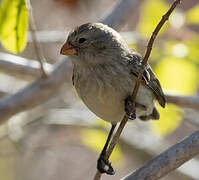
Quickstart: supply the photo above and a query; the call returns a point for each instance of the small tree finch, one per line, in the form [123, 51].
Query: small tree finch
[104, 75]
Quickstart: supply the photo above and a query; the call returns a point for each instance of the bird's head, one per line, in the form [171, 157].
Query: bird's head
[94, 43]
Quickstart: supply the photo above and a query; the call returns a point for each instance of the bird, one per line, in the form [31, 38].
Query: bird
[105, 71]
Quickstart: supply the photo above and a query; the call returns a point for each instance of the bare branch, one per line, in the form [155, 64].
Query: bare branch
[11, 64]
[37, 45]
[184, 101]
[26, 68]
[34, 94]
[168, 160]
[153, 146]
[135, 90]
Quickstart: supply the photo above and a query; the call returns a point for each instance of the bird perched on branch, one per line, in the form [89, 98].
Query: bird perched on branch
[104, 75]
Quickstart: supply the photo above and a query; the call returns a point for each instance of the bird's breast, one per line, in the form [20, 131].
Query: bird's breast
[105, 88]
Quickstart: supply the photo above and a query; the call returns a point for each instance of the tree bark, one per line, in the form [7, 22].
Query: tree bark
[169, 160]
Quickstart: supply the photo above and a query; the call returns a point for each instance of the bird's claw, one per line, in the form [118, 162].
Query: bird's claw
[104, 166]
[128, 103]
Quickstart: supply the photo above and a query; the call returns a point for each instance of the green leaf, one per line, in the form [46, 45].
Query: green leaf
[192, 16]
[13, 25]
[151, 13]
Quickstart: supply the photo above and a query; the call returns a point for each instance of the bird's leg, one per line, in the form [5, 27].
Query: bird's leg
[103, 165]
[127, 105]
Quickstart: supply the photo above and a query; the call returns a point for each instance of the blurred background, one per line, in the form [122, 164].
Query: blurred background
[61, 139]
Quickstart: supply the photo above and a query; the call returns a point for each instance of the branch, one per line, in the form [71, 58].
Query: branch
[36, 44]
[184, 101]
[153, 146]
[25, 68]
[30, 68]
[34, 94]
[135, 90]
[169, 160]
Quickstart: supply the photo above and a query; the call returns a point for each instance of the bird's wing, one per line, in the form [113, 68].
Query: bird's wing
[148, 78]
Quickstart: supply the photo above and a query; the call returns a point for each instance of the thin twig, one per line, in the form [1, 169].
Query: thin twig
[36, 44]
[144, 63]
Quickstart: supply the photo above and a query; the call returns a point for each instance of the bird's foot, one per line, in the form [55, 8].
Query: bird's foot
[104, 166]
[128, 104]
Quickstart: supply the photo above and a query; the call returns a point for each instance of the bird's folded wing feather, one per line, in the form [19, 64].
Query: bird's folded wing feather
[148, 77]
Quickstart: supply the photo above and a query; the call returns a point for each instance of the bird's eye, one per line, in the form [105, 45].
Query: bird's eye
[82, 40]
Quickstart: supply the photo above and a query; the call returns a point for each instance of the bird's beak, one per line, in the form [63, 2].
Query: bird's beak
[68, 50]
